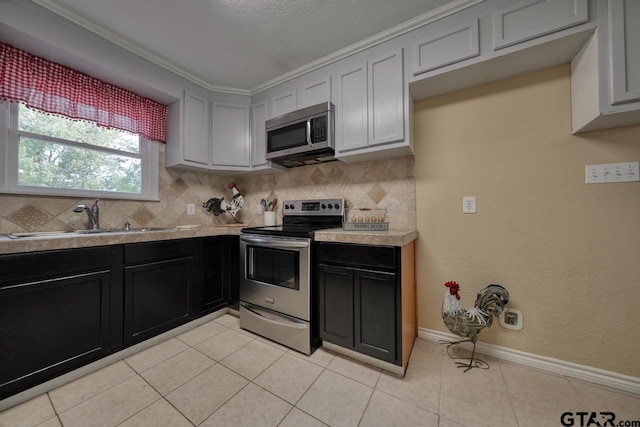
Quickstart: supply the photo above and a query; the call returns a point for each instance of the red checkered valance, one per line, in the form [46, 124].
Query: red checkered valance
[56, 89]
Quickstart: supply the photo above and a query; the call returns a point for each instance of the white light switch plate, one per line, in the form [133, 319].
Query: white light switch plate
[612, 172]
[469, 204]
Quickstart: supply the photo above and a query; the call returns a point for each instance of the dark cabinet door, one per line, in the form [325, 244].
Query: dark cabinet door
[336, 304]
[156, 297]
[377, 306]
[212, 286]
[49, 327]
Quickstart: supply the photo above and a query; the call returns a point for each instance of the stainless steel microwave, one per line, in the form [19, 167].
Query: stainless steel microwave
[302, 137]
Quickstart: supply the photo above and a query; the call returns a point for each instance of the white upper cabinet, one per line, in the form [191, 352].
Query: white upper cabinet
[283, 103]
[527, 19]
[259, 115]
[447, 47]
[351, 111]
[231, 140]
[370, 109]
[386, 106]
[624, 34]
[315, 92]
[605, 75]
[196, 128]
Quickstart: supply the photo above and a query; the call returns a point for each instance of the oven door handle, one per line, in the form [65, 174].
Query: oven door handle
[272, 243]
[271, 318]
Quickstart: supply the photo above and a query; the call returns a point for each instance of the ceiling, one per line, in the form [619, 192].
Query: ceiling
[238, 44]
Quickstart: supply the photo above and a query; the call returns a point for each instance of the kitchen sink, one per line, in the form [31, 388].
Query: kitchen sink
[46, 234]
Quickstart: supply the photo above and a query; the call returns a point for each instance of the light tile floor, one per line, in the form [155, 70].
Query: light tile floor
[219, 375]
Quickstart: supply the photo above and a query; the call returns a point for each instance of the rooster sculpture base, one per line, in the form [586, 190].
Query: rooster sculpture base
[453, 348]
[468, 322]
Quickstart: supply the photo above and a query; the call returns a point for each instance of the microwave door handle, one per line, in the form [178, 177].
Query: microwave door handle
[309, 132]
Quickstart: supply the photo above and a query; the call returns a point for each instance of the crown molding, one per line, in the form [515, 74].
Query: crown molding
[412, 24]
[417, 22]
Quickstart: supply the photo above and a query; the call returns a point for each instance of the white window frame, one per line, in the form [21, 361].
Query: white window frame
[9, 139]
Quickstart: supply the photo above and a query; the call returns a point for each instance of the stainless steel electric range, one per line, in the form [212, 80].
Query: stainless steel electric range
[276, 294]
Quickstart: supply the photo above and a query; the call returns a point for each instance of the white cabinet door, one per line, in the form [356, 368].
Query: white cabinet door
[527, 19]
[386, 99]
[351, 111]
[315, 92]
[196, 129]
[283, 103]
[453, 45]
[230, 131]
[258, 134]
[624, 42]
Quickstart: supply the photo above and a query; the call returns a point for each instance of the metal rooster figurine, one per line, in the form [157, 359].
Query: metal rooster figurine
[218, 206]
[468, 322]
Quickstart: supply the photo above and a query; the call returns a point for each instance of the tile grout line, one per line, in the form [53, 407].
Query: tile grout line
[57, 416]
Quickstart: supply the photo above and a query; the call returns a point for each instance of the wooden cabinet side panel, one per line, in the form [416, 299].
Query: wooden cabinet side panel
[409, 302]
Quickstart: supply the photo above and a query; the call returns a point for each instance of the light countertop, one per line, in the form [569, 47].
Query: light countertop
[70, 240]
[386, 238]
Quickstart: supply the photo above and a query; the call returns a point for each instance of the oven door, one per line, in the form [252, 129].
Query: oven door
[276, 273]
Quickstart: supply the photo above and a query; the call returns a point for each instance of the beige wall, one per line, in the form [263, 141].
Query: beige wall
[568, 253]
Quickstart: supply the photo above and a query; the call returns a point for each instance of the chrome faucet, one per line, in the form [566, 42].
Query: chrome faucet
[93, 212]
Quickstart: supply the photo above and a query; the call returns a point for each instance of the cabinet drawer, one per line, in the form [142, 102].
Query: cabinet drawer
[378, 257]
[23, 268]
[137, 253]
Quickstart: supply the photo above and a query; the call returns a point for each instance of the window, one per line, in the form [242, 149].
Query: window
[52, 155]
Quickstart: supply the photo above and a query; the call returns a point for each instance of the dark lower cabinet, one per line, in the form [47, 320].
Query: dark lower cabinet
[359, 299]
[336, 292]
[55, 314]
[376, 313]
[60, 310]
[158, 287]
[213, 255]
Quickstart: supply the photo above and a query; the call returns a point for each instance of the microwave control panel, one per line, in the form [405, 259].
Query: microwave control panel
[319, 129]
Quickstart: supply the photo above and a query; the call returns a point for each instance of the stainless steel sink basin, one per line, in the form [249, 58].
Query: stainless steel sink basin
[39, 234]
[46, 234]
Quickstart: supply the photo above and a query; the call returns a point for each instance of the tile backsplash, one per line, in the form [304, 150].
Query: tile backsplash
[387, 184]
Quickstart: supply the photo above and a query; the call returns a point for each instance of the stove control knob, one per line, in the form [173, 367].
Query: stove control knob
[324, 206]
[286, 206]
[330, 206]
[337, 206]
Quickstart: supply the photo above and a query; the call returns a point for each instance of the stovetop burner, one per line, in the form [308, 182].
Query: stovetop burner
[301, 218]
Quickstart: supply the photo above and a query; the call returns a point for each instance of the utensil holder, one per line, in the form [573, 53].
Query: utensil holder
[269, 218]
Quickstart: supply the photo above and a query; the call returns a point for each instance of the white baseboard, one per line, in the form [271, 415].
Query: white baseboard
[543, 363]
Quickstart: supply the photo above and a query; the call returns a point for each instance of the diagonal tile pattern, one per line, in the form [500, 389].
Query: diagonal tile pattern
[218, 375]
[386, 184]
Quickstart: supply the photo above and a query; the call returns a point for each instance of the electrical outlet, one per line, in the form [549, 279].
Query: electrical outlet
[469, 204]
[511, 318]
[612, 172]
[191, 209]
